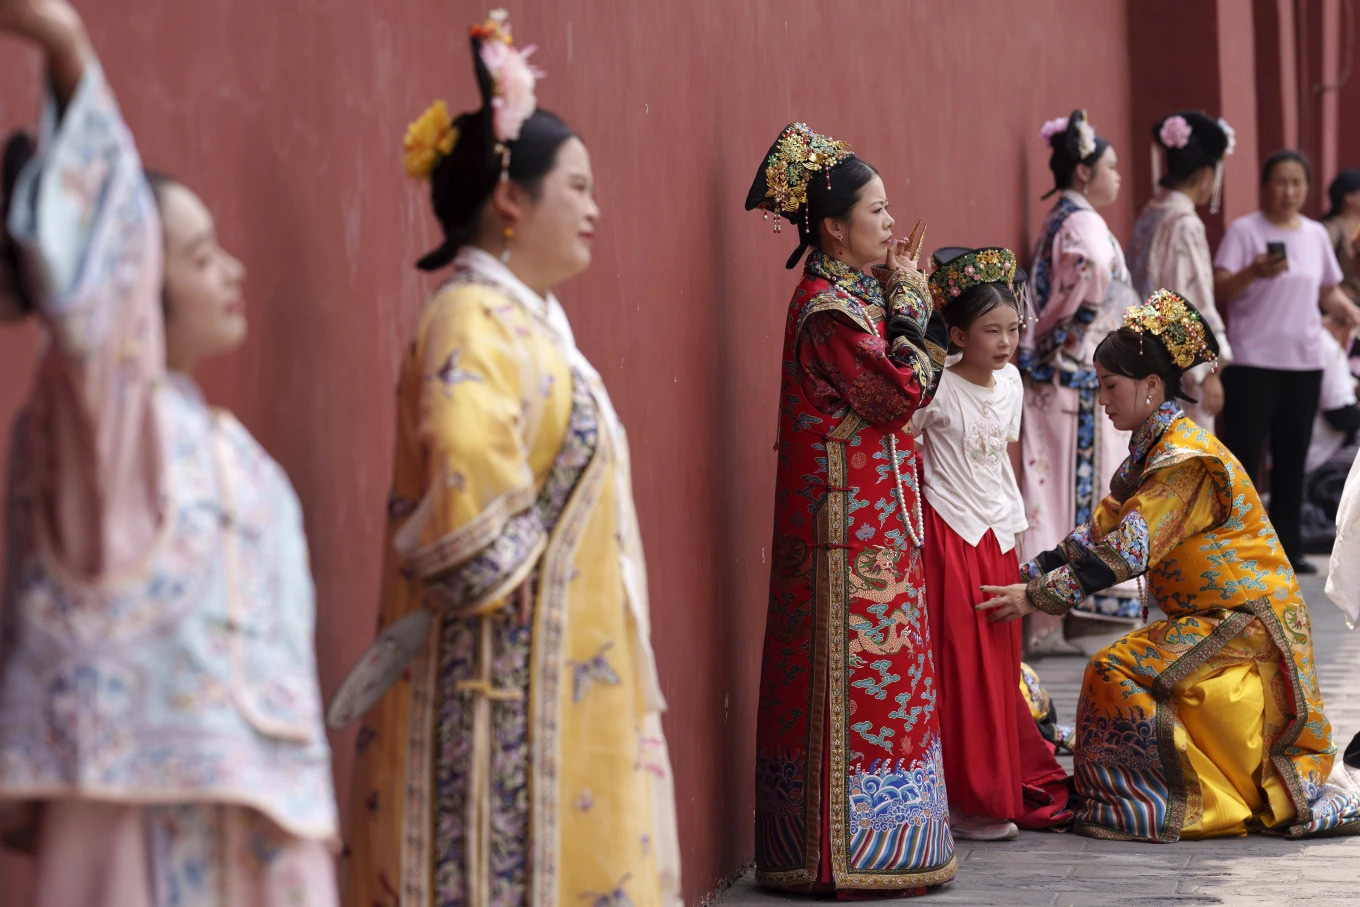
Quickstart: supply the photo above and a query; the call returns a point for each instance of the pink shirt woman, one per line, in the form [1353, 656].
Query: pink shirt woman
[1274, 273]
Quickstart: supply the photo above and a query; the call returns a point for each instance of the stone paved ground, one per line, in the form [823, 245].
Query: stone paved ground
[1064, 869]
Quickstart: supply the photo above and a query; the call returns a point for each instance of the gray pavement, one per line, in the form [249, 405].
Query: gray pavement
[1064, 869]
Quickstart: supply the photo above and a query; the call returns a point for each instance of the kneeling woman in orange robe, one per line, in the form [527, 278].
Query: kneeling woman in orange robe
[1208, 723]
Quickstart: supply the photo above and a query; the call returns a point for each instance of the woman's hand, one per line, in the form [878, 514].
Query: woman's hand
[906, 253]
[1211, 395]
[1336, 303]
[56, 28]
[1265, 266]
[1009, 602]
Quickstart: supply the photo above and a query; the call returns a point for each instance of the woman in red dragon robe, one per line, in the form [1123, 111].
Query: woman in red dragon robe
[850, 794]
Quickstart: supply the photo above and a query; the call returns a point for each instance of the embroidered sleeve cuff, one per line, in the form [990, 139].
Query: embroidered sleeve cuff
[1077, 543]
[82, 216]
[1056, 592]
[497, 569]
[907, 293]
[1046, 562]
[922, 362]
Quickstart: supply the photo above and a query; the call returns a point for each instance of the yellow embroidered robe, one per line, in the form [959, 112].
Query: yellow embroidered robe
[514, 762]
[1210, 722]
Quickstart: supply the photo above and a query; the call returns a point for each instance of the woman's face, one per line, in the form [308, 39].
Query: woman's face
[862, 238]
[1126, 400]
[1286, 189]
[205, 309]
[554, 232]
[1103, 186]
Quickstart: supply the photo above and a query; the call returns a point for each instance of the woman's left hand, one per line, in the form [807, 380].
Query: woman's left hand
[1336, 303]
[1009, 602]
[906, 253]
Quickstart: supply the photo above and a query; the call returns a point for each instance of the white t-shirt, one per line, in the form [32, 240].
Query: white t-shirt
[968, 476]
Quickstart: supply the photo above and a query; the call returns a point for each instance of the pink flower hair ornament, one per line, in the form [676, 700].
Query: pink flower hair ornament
[1051, 128]
[511, 74]
[1175, 132]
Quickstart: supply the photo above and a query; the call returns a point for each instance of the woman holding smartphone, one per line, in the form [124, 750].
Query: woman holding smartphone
[1276, 272]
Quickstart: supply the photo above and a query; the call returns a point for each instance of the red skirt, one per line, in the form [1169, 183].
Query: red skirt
[996, 763]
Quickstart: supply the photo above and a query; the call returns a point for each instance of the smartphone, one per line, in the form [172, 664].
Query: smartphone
[1277, 250]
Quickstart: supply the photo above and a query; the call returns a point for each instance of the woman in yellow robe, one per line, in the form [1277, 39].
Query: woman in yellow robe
[519, 759]
[1208, 723]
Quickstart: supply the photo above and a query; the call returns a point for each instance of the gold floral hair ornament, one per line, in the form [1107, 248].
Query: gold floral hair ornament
[795, 158]
[1170, 318]
[952, 278]
[431, 136]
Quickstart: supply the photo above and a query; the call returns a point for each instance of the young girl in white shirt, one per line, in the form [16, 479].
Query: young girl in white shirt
[998, 769]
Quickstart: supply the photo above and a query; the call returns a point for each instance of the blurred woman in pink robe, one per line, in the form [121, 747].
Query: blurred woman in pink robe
[161, 738]
[1081, 286]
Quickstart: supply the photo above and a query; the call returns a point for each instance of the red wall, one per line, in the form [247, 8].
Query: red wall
[1213, 45]
[288, 122]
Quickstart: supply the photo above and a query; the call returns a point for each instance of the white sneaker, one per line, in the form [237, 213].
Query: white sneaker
[975, 828]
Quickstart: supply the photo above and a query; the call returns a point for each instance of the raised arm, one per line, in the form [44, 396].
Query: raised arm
[841, 363]
[54, 28]
[87, 237]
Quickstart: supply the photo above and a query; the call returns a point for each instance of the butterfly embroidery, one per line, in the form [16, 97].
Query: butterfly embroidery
[399, 507]
[616, 898]
[451, 374]
[596, 669]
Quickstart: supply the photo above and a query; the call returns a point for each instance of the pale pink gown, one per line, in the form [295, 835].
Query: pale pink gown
[161, 739]
[1069, 449]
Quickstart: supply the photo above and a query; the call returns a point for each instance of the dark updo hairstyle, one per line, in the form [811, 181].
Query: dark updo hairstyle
[1134, 355]
[1346, 182]
[973, 303]
[1066, 146]
[462, 183]
[1284, 156]
[1206, 146]
[834, 201]
[19, 149]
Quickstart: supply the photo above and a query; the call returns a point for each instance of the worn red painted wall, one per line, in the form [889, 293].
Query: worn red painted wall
[288, 118]
[1237, 65]
[1348, 94]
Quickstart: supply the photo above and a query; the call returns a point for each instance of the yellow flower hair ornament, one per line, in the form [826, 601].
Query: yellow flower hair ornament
[429, 138]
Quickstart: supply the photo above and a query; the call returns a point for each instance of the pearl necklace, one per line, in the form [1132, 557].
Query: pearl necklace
[917, 529]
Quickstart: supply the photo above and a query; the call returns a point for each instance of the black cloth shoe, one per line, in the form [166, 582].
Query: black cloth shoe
[1352, 755]
[1305, 567]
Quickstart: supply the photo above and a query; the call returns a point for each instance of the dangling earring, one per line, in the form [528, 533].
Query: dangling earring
[1147, 401]
[505, 253]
